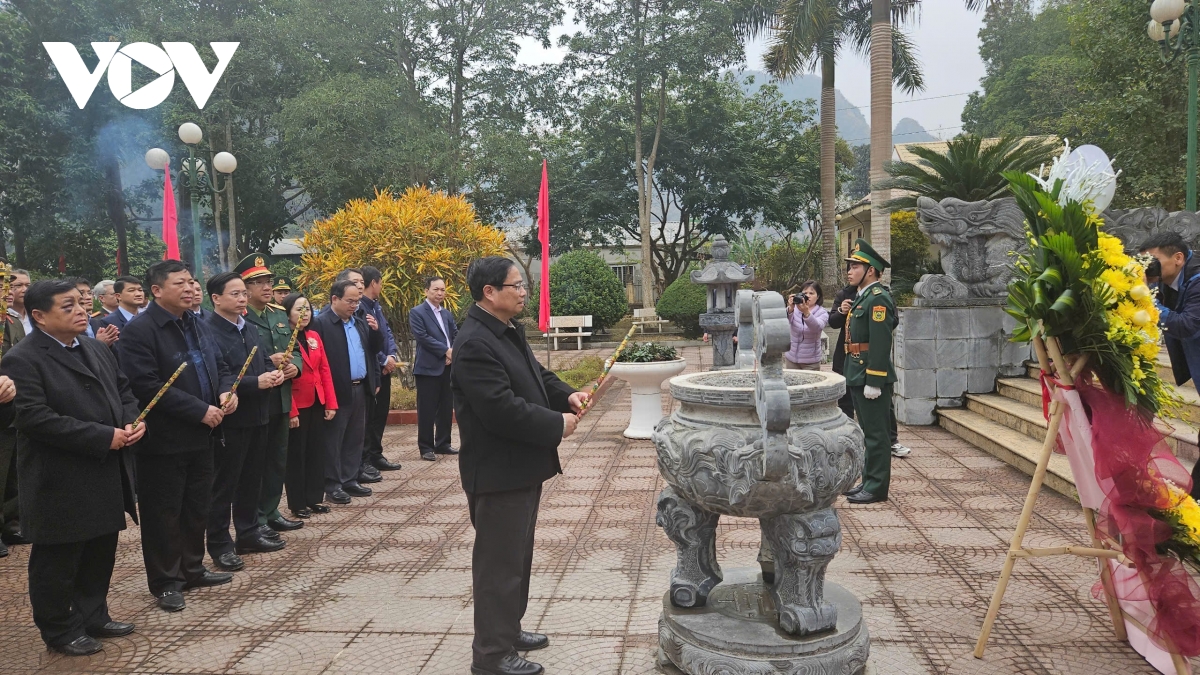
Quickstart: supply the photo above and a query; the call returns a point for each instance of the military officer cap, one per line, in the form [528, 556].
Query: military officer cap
[863, 253]
[281, 284]
[252, 266]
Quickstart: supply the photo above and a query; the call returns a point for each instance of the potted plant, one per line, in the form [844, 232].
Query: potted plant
[645, 366]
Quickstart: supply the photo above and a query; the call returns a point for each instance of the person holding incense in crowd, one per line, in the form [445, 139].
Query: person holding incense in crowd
[175, 459]
[74, 414]
[238, 466]
[314, 405]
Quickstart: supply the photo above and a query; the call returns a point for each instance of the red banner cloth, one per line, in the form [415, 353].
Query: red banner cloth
[170, 233]
[544, 237]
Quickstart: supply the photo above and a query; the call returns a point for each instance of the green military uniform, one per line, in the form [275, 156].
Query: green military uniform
[14, 332]
[870, 322]
[274, 333]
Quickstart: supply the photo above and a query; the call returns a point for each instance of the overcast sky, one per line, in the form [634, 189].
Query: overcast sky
[947, 41]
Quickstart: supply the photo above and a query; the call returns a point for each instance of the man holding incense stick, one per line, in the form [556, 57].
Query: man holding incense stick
[239, 464]
[175, 460]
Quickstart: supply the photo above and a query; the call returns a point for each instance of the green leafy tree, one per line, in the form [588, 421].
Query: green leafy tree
[682, 303]
[582, 283]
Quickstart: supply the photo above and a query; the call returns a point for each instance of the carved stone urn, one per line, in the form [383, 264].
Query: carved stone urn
[773, 445]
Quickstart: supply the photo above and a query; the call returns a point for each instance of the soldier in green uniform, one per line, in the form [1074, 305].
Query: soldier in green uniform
[280, 290]
[274, 333]
[869, 372]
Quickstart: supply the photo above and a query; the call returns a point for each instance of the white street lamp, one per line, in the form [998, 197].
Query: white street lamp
[190, 133]
[225, 162]
[157, 159]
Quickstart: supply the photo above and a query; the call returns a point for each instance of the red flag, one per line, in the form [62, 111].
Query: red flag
[544, 238]
[170, 233]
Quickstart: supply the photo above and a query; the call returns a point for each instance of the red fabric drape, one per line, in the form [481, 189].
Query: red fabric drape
[170, 230]
[544, 238]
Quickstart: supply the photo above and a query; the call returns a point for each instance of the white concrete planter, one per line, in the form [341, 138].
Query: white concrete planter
[645, 386]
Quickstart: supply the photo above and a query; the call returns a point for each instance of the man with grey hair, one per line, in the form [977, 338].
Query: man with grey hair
[106, 296]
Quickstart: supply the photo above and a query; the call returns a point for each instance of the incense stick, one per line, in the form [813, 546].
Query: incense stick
[241, 374]
[607, 367]
[291, 348]
[162, 390]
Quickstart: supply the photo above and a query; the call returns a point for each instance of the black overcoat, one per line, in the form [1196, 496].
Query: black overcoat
[837, 320]
[333, 334]
[253, 409]
[71, 486]
[509, 407]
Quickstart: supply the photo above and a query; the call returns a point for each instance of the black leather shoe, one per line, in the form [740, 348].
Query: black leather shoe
[338, 497]
[356, 490]
[208, 579]
[853, 491]
[282, 524]
[368, 469]
[111, 629]
[80, 646]
[448, 451]
[864, 497]
[230, 562]
[302, 513]
[527, 642]
[364, 477]
[319, 508]
[267, 533]
[171, 601]
[428, 456]
[260, 545]
[3, 550]
[381, 463]
[13, 539]
[512, 664]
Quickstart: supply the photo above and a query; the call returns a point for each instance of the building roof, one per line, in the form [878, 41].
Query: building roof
[902, 152]
[287, 247]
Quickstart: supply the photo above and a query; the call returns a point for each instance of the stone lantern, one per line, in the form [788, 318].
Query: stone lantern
[722, 277]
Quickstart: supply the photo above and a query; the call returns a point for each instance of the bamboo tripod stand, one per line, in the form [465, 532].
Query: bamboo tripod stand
[1051, 360]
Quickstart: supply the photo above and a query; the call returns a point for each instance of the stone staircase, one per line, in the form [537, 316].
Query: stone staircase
[1009, 425]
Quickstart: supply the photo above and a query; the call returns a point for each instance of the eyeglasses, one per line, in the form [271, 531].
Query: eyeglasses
[238, 294]
[520, 285]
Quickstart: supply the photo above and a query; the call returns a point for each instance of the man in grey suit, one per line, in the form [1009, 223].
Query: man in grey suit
[433, 328]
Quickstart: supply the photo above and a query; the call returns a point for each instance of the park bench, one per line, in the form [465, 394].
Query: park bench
[647, 317]
[577, 327]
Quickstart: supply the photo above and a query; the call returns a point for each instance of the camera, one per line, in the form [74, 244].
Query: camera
[1154, 269]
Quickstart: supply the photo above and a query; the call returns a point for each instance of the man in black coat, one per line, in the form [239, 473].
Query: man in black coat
[74, 415]
[238, 466]
[351, 343]
[175, 461]
[512, 415]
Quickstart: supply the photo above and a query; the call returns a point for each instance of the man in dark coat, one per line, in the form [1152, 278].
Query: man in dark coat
[372, 303]
[433, 329]
[175, 461]
[75, 413]
[238, 466]
[130, 295]
[350, 345]
[512, 415]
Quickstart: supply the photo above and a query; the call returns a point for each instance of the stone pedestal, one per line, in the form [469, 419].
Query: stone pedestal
[722, 278]
[736, 633]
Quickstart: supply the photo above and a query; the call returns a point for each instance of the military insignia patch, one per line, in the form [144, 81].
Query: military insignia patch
[258, 262]
[879, 314]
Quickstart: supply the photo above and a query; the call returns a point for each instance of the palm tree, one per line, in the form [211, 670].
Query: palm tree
[970, 169]
[808, 33]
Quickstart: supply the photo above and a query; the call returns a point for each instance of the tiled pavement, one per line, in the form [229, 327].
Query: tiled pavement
[383, 585]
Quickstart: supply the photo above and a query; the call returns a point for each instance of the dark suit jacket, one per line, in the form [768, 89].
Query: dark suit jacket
[509, 407]
[150, 349]
[431, 342]
[117, 318]
[329, 326]
[71, 486]
[838, 320]
[235, 346]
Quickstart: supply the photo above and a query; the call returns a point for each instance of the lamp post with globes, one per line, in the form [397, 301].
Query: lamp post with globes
[194, 173]
[1175, 26]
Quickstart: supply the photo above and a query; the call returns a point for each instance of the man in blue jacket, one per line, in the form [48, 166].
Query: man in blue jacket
[434, 329]
[388, 361]
[1179, 308]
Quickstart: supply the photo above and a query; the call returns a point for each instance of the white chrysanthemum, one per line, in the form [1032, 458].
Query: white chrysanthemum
[1084, 179]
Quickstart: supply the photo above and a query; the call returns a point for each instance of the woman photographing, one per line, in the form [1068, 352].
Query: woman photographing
[807, 319]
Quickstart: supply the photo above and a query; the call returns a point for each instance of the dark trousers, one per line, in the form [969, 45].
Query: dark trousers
[346, 433]
[68, 586]
[9, 522]
[307, 448]
[846, 403]
[435, 408]
[377, 415]
[874, 416]
[174, 492]
[500, 567]
[275, 441]
[237, 482]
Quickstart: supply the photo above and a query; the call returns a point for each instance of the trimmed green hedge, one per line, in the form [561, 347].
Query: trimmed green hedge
[582, 283]
[682, 303]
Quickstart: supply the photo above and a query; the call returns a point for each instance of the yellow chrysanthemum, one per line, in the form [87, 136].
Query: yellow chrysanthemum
[1118, 280]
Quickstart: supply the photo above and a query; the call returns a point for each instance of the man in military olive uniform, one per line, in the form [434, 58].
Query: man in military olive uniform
[280, 290]
[869, 372]
[274, 334]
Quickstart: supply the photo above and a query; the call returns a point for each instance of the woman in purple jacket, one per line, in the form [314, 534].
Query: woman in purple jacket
[808, 319]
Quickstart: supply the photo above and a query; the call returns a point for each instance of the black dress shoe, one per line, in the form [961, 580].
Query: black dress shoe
[512, 664]
[260, 545]
[171, 601]
[208, 579]
[864, 497]
[356, 490]
[368, 469]
[302, 513]
[230, 562]
[111, 629]
[527, 642]
[13, 539]
[853, 491]
[383, 464]
[282, 524]
[3, 550]
[448, 451]
[428, 456]
[368, 478]
[319, 508]
[80, 646]
[338, 497]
